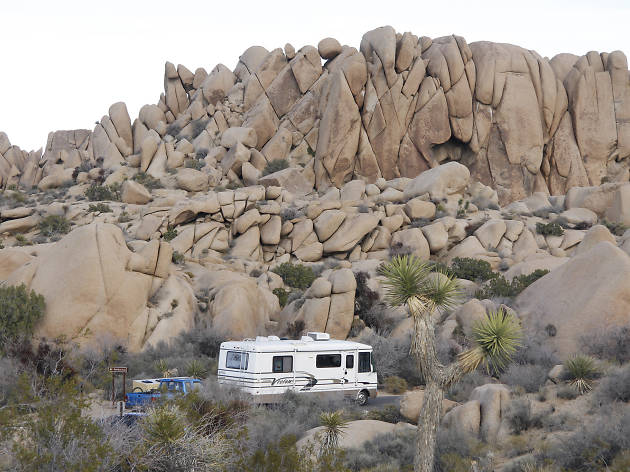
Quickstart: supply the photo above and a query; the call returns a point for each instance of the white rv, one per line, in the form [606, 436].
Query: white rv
[267, 367]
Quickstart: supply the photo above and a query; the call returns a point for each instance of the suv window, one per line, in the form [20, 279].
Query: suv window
[236, 360]
[282, 364]
[349, 361]
[365, 364]
[323, 361]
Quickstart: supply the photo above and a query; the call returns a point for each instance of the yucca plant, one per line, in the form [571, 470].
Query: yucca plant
[195, 368]
[580, 372]
[334, 426]
[162, 367]
[496, 338]
[409, 281]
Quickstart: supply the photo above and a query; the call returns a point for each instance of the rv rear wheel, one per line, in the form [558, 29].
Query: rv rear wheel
[362, 397]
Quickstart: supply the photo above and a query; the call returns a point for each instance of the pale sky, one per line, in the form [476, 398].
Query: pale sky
[65, 62]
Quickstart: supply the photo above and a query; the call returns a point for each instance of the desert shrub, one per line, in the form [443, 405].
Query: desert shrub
[519, 415]
[275, 166]
[54, 225]
[58, 437]
[100, 208]
[147, 180]
[389, 414]
[399, 249]
[610, 343]
[21, 240]
[290, 213]
[549, 229]
[377, 317]
[173, 129]
[391, 358]
[395, 384]
[295, 275]
[96, 193]
[614, 387]
[282, 295]
[124, 217]
[295, 329]
[194, 164]
[530, 377]
[567, 393]
[455, 450]
[500, 287]
[20, 310]
[394, 450]
[367, 306]
[178, 258]
[471, 269]
[197, 126]
[535, 350]
[169, 234]
[580, 371]
[596, 443]
[615, 228]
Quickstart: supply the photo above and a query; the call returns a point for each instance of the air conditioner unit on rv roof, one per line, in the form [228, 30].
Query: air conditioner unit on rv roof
[319, 336]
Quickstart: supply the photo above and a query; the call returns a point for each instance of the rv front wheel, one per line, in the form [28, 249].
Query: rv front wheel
[362, 397]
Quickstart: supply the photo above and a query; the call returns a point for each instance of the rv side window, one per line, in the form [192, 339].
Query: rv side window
[328, 360]
[350, 362]
[236, 360]
[364, 362]
[282, 364]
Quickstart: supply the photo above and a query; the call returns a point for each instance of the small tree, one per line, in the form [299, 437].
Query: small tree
[408, 281]
[20, 310]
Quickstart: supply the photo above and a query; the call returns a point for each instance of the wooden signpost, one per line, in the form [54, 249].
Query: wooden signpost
[114, 371]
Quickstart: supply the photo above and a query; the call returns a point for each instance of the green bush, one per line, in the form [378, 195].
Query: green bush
[53, 225]
[295, 275]
[194, 164]
[170, 234]
[275, 166]
[282, 295]
[395, 385]
[99, 208]
[97, 193]
[472, 269]
[500, 287]
[20, 310]
[549, 229]
[615, 228]
[147, 180]
[20, 240]
[178, 258]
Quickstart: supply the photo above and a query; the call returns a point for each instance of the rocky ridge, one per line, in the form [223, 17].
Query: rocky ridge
[408, 145]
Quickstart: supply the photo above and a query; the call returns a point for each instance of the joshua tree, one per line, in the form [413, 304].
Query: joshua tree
[408, 281]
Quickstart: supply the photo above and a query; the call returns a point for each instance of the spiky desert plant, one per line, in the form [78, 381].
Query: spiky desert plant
[580, 372]
[195, 368]
[162, 367]
[408, 281]
[496, 337]
[334, 426]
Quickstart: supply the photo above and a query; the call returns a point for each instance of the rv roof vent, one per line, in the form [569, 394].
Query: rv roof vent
[307, 339]
[273, 338]
[261, 338]
[319, 336]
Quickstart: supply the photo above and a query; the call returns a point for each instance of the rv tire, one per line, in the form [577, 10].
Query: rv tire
[362, 397]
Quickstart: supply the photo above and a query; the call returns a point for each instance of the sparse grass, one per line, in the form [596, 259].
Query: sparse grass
[275, 166]
[124, 217]
[615, 228]
[21, 240]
